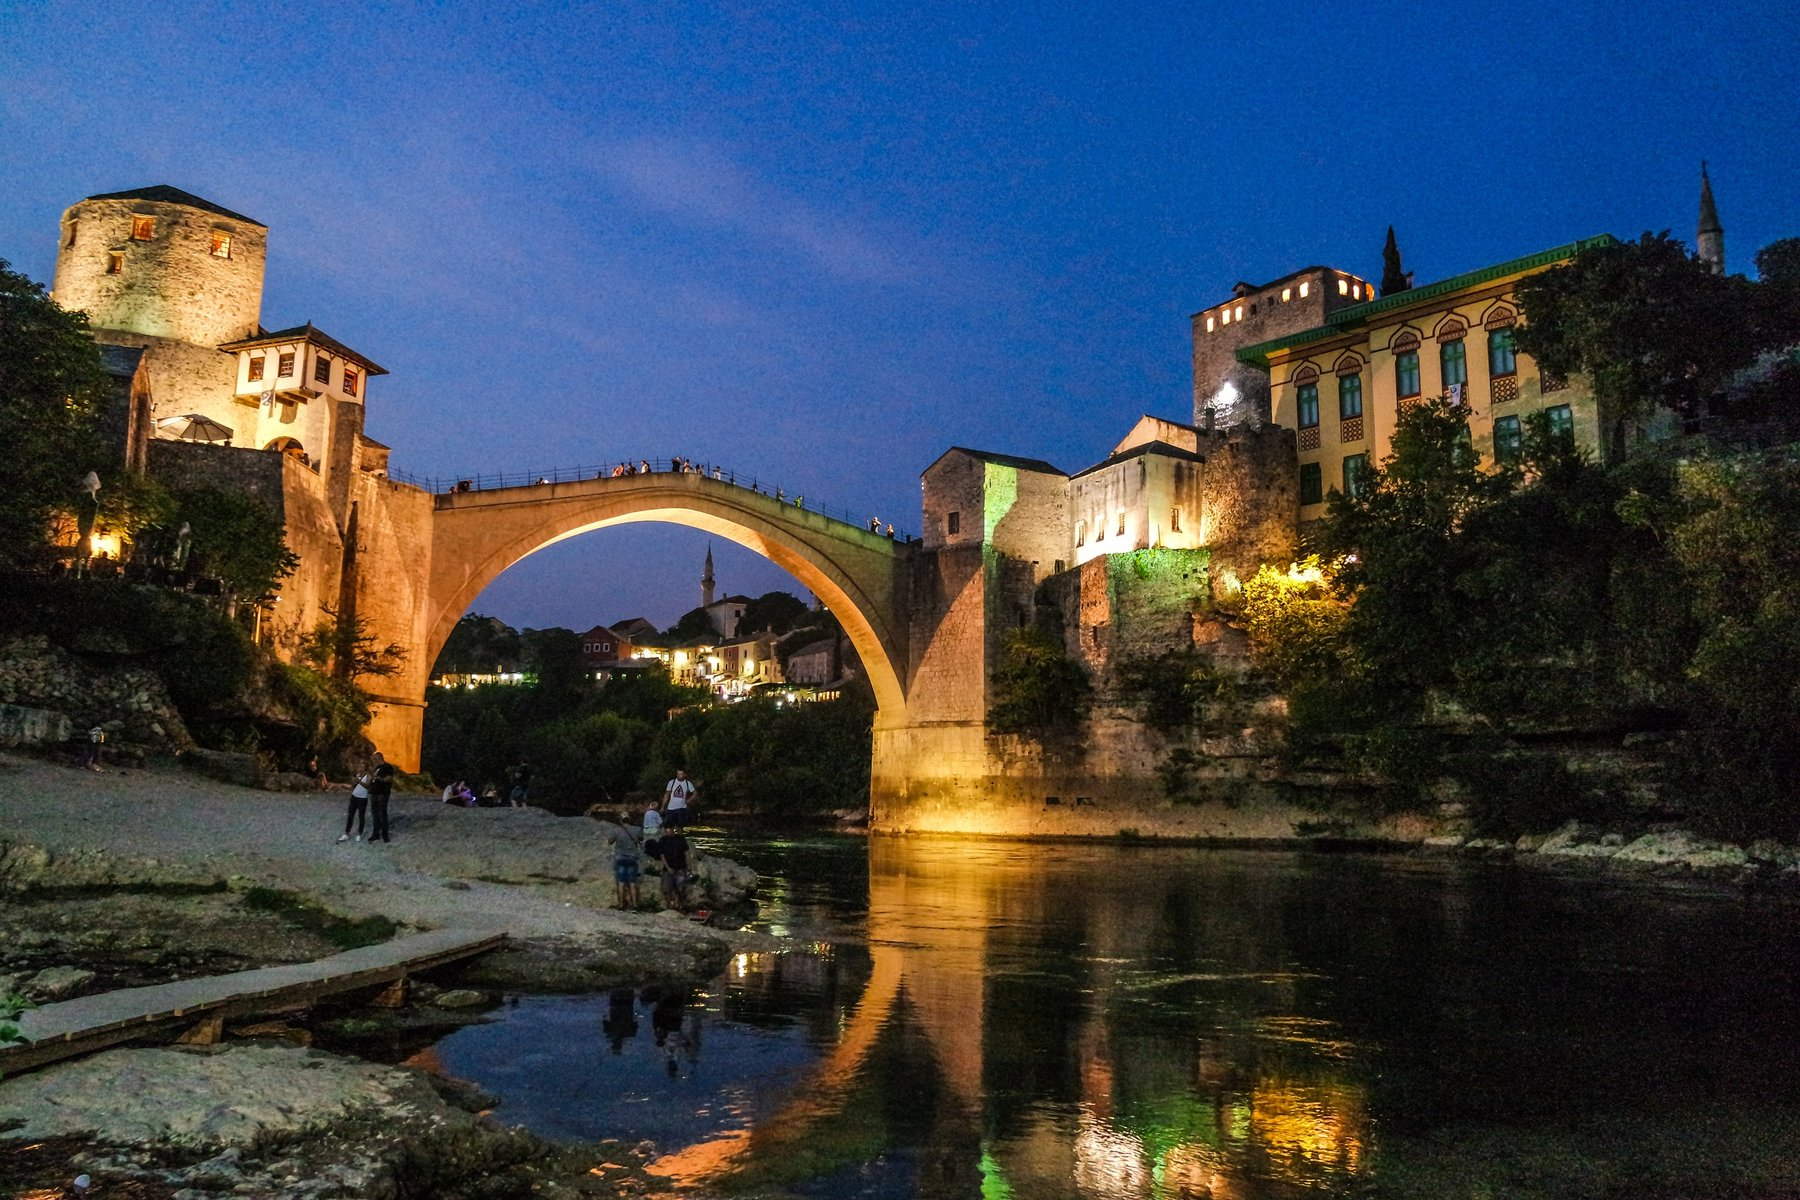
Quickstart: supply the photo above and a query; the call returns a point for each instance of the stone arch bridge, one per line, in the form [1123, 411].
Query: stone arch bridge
[416, 599]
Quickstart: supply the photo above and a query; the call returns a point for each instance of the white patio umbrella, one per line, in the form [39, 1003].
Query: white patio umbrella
[193, 427]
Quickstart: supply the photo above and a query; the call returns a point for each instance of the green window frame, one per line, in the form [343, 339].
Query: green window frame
[1560, 420]
[1356, 474]
[1509, 441]
[1453, 360]
[1307, 396]
[1406, 374]
[1312, 483]
[1349, 396]
[1502, 358]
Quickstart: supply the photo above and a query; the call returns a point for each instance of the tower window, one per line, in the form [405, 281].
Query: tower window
[1081, 533]
[1304, 289]
[1502, 360]
[350, 381]
[256, 367]
[1308, 399]
[1174, 520]
[143, 228]
[115, 263]
[1508, 441]
[1312, 483]
[1453, 358]
[1343, 287]
[221, 244]
[1406, 374]
[284, 365]
[953, 523]
[1210, 324]
[1287, 294]
[73, 225]
[322, 370]
[1121, 524]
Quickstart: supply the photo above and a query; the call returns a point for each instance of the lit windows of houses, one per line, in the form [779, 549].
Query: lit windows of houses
[322, 370]
[221, 244]
[1287, 294]
[1238, 312]
[115, 263]
[284, 367]
[1356, 474]
[1343, 287]
[257, 363]
[1304, 289]
[1509, 441]
[143, 228]
[351, 379]
[1312, 485]
[1210, 324]
[1356, 291]
[1502, 358]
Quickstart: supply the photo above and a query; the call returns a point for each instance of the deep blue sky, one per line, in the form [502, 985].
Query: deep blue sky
[823, 243]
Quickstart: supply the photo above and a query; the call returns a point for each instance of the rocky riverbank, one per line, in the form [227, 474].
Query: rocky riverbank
[125, 878]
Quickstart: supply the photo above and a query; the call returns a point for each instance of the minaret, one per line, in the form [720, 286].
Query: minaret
[1394, 278]
[1710, 240]
[706, 582]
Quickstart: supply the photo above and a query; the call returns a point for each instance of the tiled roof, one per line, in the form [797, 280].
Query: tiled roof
[1005, 460]
[165, 194]
[307, 333]
[1141, 449]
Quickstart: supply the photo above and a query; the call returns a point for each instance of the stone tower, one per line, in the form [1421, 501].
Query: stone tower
[163, 268]
[1709, 241]
[706, 582]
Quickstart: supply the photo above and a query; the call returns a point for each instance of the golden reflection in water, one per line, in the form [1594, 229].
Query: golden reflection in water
[1237, 1113]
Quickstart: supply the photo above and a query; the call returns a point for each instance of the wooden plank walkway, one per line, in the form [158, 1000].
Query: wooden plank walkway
[75, 1027]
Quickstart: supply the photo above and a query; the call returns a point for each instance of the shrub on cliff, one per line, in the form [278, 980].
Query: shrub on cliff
[1039, 692]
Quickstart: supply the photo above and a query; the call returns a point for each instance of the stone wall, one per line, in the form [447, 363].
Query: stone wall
[130, 702]
[1252, 497]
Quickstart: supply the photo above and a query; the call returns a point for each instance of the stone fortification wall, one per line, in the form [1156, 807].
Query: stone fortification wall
[1129, 605]
[185, 378]
[1252, 497]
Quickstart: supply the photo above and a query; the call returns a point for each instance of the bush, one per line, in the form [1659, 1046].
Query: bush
[1039, 692]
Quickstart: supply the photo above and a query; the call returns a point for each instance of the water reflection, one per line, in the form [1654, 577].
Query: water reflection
[1113, 1024]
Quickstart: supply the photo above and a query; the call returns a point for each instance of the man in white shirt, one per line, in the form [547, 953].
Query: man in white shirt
[675, 800]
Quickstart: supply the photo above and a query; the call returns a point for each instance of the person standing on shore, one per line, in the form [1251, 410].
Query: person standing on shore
[358, 815]
[381, 786]
[675, 869]
[521, 784]
[627, 867]
[675, 800]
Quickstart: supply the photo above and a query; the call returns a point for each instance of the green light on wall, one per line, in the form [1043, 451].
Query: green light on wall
[993, 1179]
[1000, 492]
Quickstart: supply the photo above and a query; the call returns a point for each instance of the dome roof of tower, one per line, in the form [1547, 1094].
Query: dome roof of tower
[174, 195]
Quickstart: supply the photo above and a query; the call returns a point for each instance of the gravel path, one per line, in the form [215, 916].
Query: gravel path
[523, 870]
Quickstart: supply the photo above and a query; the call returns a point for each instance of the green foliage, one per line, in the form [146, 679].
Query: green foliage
[1650, 325]
[767, 756]
[553, 658]
[329, 717]
[1175, 775]
[1296, 625]
[1176, 690]
[129, 503]
[1569, 597]
[52, 390]
[1039, 692]
[234, 537]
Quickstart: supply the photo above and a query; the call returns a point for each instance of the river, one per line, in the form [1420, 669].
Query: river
[1098, 1021]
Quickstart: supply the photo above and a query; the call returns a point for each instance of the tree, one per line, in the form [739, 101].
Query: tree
[344, 647]
[235, 538]
[479, 645]
[694, 623]
[52, 388]
[1649, 324]
[1295, 623]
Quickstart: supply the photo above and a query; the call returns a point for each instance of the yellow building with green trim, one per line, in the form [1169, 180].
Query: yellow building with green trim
[1341, 386]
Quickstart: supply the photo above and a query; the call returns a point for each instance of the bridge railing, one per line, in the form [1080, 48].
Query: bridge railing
[492, 481]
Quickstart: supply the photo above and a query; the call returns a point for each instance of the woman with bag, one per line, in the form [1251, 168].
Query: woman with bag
[359, 808]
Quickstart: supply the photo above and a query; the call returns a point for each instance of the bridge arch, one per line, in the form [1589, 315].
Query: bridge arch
[862, 577]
